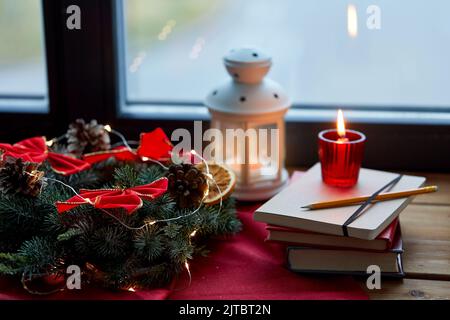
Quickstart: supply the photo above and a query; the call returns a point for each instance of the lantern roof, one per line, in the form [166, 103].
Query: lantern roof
[249, 92]
[247, 55]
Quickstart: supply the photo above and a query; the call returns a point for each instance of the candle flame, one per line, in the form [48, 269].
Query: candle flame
[340, 124]
[352, 21]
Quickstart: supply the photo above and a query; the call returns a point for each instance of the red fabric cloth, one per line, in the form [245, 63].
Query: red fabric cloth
[128, 199]
[35, 150]
[245, 267]
[240, 267]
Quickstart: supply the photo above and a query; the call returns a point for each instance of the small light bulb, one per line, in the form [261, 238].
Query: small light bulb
[193, 233]
[107, 128]
[194, 152]
[49, 143]
[145, 159]
[131, 289]
[151, 223]
[186, 264]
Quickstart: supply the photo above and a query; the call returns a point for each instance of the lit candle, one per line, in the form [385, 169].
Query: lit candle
[341, 152]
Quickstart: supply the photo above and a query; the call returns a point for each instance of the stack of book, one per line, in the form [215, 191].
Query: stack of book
[317, 241]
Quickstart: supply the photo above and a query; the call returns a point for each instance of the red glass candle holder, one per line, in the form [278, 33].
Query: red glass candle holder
[341, 159]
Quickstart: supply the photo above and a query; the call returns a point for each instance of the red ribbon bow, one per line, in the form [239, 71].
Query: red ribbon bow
[36, 150]
[153, 145]
[128, 199]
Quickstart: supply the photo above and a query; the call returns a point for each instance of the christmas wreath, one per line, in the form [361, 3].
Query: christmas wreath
[127, 217]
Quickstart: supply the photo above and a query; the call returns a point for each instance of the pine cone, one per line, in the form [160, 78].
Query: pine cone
[15, 177]
[87, 137]
[187, 184]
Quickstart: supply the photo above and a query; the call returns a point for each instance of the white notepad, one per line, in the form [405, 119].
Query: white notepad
[285, 209]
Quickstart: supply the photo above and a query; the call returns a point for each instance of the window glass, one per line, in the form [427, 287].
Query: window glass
[22, 63]
[370, 53]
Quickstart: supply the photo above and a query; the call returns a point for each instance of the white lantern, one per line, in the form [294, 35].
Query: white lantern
[249, 111]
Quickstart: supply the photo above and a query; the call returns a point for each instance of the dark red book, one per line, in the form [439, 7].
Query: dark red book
[299, 237]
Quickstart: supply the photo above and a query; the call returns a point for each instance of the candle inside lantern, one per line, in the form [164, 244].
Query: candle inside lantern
[341, 152]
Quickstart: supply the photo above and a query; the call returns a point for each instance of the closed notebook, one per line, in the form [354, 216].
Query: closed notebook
[353, 262]
[285, 209]
[313, 239]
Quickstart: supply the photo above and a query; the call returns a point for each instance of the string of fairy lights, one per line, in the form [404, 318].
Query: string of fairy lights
[126, 143]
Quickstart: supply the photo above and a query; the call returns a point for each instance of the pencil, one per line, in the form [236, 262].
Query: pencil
[381, 197]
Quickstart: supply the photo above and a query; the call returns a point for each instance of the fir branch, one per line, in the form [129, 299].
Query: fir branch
[82, 244]
[54, 192]
[150, 173]
[69, 234]
[111, 242]
[126, 177]
[53, 223]
[163, 207]
[12, 263]
[172, 230]
[88, 179]
[40, 254]
[18, 207]
[180, 250]
[149, 244]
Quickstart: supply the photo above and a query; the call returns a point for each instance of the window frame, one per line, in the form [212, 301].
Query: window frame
[85, 79]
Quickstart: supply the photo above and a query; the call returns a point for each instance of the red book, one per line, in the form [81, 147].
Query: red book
[312, 239]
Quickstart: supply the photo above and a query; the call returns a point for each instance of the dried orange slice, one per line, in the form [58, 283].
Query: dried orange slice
[224, 178]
